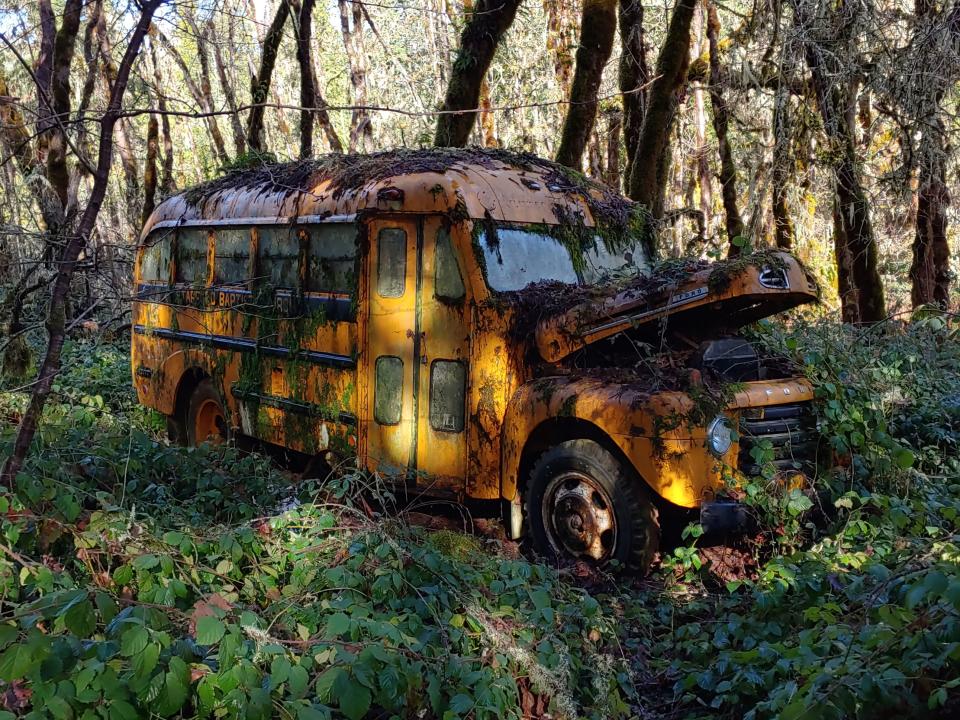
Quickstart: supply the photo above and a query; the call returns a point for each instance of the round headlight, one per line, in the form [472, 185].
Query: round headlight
[719, 436]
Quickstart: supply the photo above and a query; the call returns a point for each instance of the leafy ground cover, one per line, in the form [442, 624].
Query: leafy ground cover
[143, 580]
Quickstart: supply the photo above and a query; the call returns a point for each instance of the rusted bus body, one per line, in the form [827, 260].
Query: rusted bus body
[363, 316]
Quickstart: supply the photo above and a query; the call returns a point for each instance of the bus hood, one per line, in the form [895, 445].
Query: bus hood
[702, 300]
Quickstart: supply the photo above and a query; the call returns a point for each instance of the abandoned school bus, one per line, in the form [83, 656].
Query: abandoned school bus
[472, 324]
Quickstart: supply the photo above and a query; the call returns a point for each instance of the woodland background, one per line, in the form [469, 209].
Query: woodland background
[139, 579]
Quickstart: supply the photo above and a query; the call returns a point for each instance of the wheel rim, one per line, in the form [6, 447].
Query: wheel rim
[209, 423]
[579, 515]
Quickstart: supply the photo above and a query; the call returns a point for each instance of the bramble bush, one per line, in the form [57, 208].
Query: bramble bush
[139, 579]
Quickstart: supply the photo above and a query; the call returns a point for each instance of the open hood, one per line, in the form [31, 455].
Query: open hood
[706, 302]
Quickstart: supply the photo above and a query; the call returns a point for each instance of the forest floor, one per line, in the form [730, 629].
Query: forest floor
[142, 579]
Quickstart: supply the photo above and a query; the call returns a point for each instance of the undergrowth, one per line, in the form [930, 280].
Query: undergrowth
[143, 580]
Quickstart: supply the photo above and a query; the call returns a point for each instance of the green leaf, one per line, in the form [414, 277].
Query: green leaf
[134, 640]
[146, 562]
[8, 633]
[16, 662]
[59, 708]
[80, 619]
[298, 681]
[144, 662]
[210, 630]
[461, 704]
[279, 671]
[326, 682]
[904, 458]
[355, 702]
[175, 688]
[337, 624]
[260, 706]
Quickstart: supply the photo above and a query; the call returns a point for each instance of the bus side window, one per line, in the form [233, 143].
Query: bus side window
[279, 250]
[331, 258]
[155, 260]
[232, 256]
[192, 255]
[447, 280]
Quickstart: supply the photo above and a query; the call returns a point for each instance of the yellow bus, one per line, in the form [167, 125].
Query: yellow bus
[472, 324]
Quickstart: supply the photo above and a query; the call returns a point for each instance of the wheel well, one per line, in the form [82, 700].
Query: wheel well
[552, 432]
[188, 383]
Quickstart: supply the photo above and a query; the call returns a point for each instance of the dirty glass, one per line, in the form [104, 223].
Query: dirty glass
[447, 281]
[331, 258]
[600, 263]
[192, 255]
[391, 262]
[448, 384]
[155, 260]
[388, 390]
[516, 258]
[231, 256]
[279, 250]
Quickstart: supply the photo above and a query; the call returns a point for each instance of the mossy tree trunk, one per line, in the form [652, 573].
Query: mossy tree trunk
[308, 83]
[837, 104]
[721, 123]
[598, 26]
[166, 172]
[485, 26]
[260, 83]
[633, 78]
[150, 169]
[780, 171]
[351, 27]
[648, 173]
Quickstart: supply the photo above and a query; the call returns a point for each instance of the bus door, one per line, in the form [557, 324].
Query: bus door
[416, 361]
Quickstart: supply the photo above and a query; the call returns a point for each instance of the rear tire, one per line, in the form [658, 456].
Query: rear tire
[584, 504]
[206, 418]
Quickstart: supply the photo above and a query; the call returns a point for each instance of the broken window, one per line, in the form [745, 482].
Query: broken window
[388, 390]
[448, 385]
[331, 258]
[391, 262]
[231, 256]
[447, 280]
[192, 256]
[155, 260]
[279, 254]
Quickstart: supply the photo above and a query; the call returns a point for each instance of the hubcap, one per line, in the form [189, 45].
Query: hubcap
[210, 424]
[579, 517]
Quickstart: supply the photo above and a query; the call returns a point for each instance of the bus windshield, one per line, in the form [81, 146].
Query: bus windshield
[517, 258]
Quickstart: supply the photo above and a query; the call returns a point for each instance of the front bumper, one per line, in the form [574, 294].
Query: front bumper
[725, 517]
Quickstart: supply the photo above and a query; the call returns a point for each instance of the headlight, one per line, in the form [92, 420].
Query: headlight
[719, 436]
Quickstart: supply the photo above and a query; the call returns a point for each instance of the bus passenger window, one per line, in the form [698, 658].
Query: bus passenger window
[448, 389]
[231, 256]
[192, 256]
[279, 256]
[331, 261]
[155, 260]
[447, 281]
[391, 262]
[388, 390]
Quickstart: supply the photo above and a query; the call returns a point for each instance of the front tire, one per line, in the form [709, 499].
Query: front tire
[584, 504]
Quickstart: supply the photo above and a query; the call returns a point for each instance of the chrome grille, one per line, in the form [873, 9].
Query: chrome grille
[792, 432]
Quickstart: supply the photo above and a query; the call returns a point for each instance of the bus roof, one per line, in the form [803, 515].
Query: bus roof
[463, 183]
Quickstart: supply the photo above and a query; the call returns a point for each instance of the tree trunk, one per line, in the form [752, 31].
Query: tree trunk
[239, 141]
[202, 100]
[56, 315]
[561, 36]
[481, 34]
[598, 25]
[150, 170]
[166, 174]
[260, 83]
[614, 126]
[648, 175]
[728, 170]
[837, 108]
[701, 179]
[308, 83]
[780, 172]
[58, 175]
[206, 91]
[634, 76]
[929, 270]
[351, 27]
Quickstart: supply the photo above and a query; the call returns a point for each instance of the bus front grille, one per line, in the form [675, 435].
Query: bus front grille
[782, 436]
